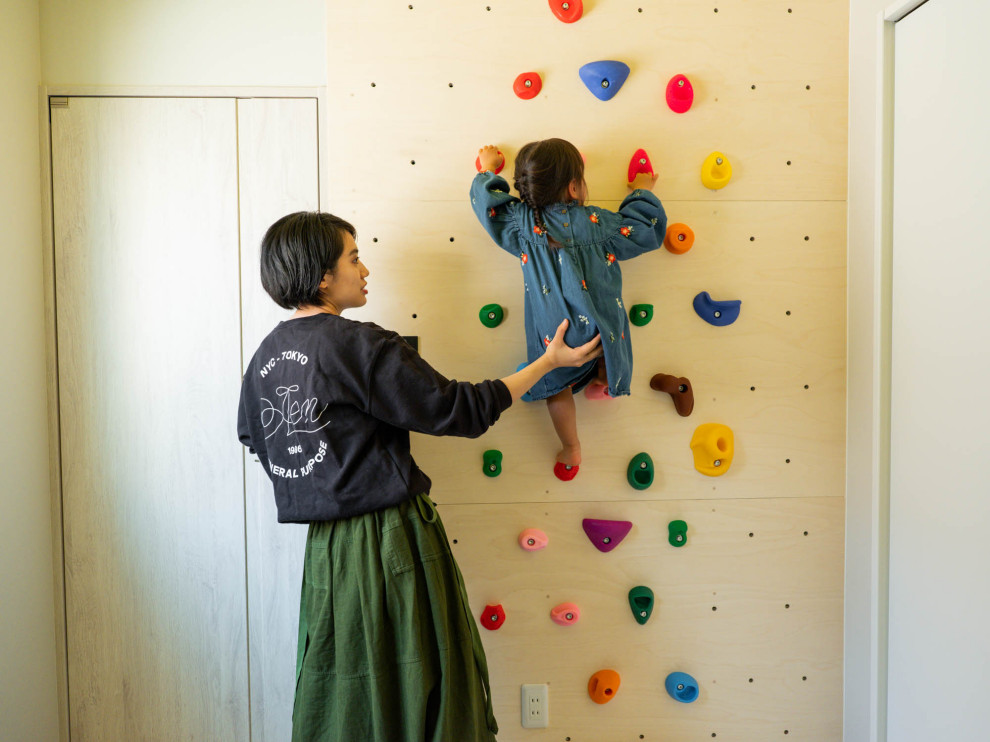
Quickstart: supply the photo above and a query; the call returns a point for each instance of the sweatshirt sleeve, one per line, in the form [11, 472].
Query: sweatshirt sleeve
[406, 392]
[642, 225]
[493, 204]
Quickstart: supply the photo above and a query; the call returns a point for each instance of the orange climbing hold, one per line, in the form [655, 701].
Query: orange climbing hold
[603, 686]
[528, 85]
[679, 238]
[567, 10]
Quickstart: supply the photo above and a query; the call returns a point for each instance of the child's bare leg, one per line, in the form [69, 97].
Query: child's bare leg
[563, 413]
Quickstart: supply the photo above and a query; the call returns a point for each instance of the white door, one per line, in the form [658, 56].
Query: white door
[148, 318]
[179, 582]
[939, 644]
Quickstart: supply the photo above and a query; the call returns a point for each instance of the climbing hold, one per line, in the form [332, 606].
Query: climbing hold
[493, 617]
[606, 534]
[677, 533]
[682, 687]
[641, 314]
[679, 389]
[680, 94]
[641, 602]
[712, 444]
[718, 313]
[640, 163]
[603, 686]
[563, 472]
[604, 78]
[597, 391]
[640, 471]
[679, 238]
[477, 163]
[491, 463]
[528, 85]
[491, 315]
[567, 10]
[716, 171]
[565, 614]
[533, 539]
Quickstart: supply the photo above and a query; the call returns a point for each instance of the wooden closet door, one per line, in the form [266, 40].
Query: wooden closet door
[279, 174]
[148, 331]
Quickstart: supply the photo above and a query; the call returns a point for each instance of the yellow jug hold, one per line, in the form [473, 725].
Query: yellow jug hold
[716, 171]
[713, 446]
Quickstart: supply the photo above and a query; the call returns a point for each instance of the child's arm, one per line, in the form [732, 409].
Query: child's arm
[492, 204]
[642, 221]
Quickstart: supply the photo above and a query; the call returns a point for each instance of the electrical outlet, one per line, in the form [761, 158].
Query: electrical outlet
[535, 706]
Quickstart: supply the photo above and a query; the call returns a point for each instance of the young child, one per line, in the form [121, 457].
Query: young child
[569, 252]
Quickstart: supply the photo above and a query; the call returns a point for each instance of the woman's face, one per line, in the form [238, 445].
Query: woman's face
[345, 287]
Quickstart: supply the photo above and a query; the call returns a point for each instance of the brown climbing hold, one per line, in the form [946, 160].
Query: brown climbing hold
[679, 389]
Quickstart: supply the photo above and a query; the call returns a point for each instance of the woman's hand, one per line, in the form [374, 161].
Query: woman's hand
[489, 158]
[559, 354]
[643, 181]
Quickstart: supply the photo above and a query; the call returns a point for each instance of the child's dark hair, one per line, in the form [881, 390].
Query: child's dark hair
[297, 251]
[544, 170]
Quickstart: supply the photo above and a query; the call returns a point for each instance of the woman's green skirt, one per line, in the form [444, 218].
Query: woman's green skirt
[388, 648]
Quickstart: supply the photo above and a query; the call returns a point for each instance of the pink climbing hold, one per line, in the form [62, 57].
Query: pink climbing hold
[597, 391]
[680, 94]
[565, 614]
[640, 163]
[533, 539]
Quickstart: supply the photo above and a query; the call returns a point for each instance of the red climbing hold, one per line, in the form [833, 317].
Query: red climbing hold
[640, 163]
[528, 85]
[597, 391]
[680, 94]
[477, 163]
[565, 473]
[567, 10]
[493, 617]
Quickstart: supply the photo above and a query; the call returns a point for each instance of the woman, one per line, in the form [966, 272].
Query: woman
[388, 649]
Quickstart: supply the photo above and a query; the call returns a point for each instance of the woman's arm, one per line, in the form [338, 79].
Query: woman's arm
[557, 355]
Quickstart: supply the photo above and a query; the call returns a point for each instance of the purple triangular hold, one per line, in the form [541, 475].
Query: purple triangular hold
[606, 534]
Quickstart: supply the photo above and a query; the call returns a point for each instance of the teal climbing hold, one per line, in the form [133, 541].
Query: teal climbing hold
[640, 471]
[641, 314]
[641, 602]
[491, 463]
[491, 315]
[677, 533]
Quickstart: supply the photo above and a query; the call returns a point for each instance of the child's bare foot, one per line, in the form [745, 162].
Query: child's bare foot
[570, 455]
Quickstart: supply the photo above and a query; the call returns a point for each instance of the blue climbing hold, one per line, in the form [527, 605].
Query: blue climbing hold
[604, 78]
[718, 313]
[682, 687]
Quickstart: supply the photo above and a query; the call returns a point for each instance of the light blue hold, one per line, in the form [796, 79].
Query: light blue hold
[682, 687]
[604, 78]
[718, 313]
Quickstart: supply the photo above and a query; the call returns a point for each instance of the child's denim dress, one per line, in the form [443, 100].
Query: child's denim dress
[581, 281]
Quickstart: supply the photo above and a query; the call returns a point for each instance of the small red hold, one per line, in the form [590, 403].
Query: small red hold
[528, 85]
[477, 163]
[563, 472]
[680, 94]
[639, 163]
[567, 10]
[493, 617]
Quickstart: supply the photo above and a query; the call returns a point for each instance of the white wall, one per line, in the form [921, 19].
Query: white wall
[184, 42]
[28, 709]
[90, 42]
[862, 718]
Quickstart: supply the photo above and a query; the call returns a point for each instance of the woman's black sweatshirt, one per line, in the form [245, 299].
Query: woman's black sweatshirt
[327, 405]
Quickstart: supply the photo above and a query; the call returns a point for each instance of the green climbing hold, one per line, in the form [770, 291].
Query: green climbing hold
[640, 471]
[492, 463]
[641, 314]
[641, 602]
[677, 533]
[491, 315]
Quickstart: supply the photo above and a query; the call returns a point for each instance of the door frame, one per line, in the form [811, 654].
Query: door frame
[45, 94]
[875, 417]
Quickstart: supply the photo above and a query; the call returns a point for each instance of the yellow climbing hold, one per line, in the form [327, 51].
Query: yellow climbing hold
[716, 171]
[713, 445]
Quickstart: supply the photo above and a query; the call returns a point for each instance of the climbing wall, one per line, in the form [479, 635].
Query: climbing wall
[750, 605]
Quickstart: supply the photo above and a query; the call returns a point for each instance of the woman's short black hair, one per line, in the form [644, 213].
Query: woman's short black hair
[297, 251]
